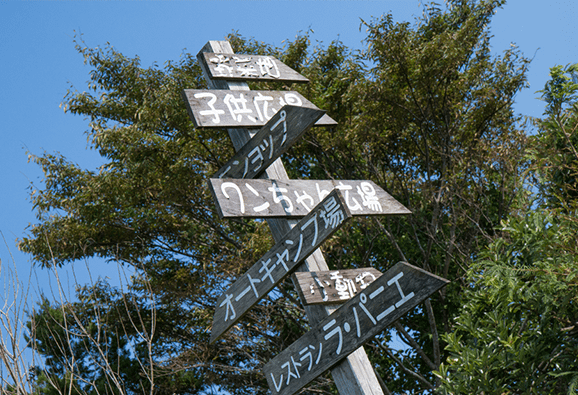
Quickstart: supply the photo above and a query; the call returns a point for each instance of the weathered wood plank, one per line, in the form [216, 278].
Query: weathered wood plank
[279, 262]
[246, 109]
[334, 286]
[392, 295]
[295, 198]
[274, 139]
[243, 67]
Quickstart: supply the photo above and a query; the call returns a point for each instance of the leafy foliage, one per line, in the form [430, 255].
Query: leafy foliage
[517, 330]
[554, 148]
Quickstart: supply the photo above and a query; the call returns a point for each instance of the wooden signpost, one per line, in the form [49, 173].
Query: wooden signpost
[247, 109]
[273, 140]
[241, 67]
[336, 342]
[295, 198]
[336, 286]
[389, 297]
[279, 262]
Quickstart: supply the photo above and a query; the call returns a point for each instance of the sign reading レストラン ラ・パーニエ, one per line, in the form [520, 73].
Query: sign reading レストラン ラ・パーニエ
[385, 300]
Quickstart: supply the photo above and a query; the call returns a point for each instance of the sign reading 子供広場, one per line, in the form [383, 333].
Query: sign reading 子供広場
[248, 109]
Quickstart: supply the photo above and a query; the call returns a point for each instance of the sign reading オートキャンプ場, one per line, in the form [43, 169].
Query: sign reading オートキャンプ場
[279, 262]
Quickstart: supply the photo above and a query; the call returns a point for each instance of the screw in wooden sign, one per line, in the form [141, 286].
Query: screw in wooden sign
[389, 297]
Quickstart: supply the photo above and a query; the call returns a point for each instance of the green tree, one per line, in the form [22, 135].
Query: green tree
[517, 331]
[555, 146]
[425, 112]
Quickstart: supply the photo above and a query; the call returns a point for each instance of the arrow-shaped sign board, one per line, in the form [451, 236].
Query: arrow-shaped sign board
[334, 286]
[273, 140]
[242, 109]
[295, 198]
[279, 262]
[389, 297]
[239, 67]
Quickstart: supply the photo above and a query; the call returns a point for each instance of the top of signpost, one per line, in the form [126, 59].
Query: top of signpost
[241, 67]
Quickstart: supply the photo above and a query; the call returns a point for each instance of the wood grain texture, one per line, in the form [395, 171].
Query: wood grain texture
[245, 67]
[279, 134]
[357, 321]
[365, 382]
[294, 198]
[334, 286]
[279, 262]
[247, 109]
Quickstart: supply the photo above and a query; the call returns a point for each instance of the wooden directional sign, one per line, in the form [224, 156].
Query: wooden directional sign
[355, 374]
[279, 262]
[389, 297]
[238, 67]
[240, 109]
[295, 198]
[274, 139]
[334, 286]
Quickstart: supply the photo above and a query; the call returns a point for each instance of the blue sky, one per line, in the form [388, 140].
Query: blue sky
[39, 63]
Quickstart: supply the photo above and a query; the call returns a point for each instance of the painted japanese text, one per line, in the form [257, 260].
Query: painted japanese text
[227, 108]
[279, 262]
[262, 198]
[275, 138]
[359, 319]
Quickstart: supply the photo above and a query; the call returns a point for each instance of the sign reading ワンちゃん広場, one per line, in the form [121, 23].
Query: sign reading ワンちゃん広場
[295, 198]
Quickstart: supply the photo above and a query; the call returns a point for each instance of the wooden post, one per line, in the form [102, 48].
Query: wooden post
[355, 375]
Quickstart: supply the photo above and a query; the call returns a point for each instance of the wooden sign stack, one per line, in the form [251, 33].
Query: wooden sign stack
[301, 214]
